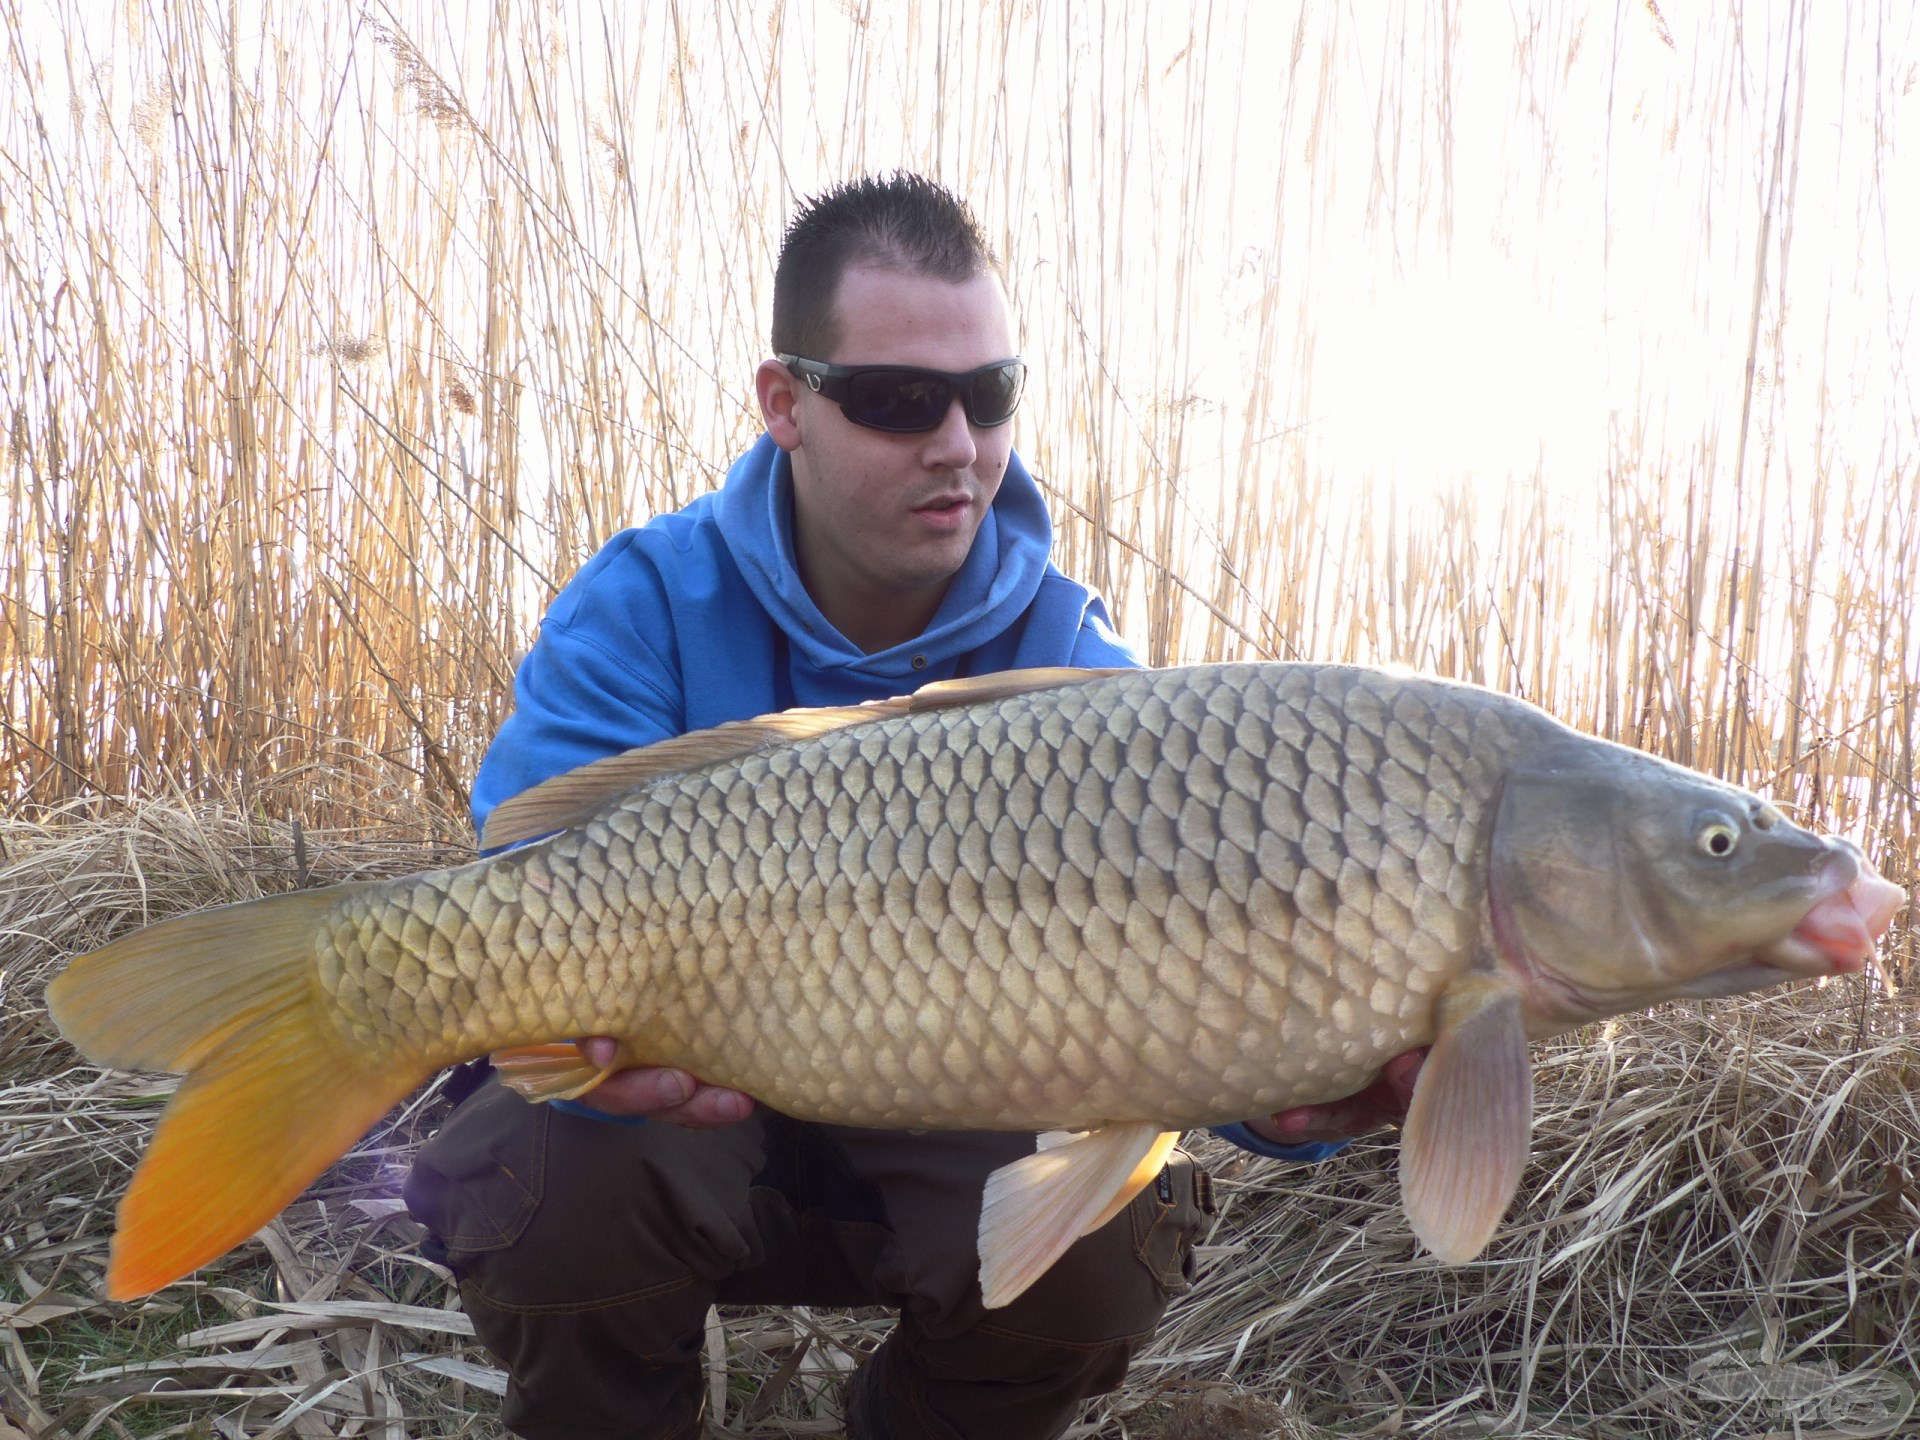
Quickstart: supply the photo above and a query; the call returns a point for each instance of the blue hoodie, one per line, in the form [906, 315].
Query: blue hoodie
[699, 617]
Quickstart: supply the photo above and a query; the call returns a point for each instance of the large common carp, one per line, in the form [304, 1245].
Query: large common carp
[1120, 903]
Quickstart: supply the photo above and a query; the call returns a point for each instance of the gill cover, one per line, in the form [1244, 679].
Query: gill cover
[1565, 885]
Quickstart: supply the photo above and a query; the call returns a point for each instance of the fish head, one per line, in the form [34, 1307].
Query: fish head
[1618, 880]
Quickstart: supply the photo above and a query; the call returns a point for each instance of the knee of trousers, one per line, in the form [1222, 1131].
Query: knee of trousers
[1113, 1285]
[541, 1213]
[1022, 1371]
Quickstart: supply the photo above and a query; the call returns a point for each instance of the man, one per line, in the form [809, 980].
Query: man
[881, 535]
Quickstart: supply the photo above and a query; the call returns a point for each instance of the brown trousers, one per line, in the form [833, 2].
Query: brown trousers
[588, 1253]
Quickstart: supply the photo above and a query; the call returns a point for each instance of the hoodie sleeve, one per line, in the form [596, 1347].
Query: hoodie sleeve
[1306, 1153]
[594, 684]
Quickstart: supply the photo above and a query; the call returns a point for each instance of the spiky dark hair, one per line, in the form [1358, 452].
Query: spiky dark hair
[900, 221]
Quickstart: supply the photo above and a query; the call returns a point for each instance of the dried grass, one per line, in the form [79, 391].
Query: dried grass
[1716, 1234]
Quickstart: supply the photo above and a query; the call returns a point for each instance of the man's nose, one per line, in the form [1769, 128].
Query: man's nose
[949, 445]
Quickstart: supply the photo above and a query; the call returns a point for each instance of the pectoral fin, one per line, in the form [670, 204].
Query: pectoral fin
[1465, 1141]
[1035, 1208]
[549, 1072]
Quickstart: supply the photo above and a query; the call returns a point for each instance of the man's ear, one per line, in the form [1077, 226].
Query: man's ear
[779, 396]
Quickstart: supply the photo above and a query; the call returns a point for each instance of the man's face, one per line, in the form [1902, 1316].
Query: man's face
[881, 516]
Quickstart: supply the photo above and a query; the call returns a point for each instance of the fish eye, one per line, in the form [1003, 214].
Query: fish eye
[1718, 839]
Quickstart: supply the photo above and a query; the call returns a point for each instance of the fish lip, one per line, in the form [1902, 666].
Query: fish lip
[1800, 957]
[1843, 944]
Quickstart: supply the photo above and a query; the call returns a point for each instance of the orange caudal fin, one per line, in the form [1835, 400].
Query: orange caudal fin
[275, 1092]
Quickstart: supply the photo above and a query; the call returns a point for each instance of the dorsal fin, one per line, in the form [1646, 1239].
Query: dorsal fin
[978, 689]
[571, 798]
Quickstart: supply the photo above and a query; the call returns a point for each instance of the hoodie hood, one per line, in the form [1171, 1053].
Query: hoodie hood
[997, 583]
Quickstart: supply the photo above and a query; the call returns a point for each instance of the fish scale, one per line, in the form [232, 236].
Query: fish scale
[1182, 868]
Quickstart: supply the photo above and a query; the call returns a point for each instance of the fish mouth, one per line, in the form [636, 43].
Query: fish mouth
[1838, 933]
[1852, 908]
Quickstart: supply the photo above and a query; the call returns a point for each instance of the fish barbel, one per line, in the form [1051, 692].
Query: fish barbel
[1120, 903]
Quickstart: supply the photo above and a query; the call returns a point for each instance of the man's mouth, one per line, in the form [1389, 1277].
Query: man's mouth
[944, 504]
[945, 514]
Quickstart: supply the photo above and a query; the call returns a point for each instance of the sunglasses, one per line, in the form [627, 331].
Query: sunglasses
[906, 399]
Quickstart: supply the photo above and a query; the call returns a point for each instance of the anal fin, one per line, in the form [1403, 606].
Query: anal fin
[1035, 1208]
[549, 1072]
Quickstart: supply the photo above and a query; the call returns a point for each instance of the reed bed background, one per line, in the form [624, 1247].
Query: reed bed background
[1561, 349]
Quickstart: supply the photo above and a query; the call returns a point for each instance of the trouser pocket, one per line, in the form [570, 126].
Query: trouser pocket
[1167, 1218]
[477, 1183]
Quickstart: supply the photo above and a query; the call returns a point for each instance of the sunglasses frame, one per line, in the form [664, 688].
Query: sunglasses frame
[833, 382]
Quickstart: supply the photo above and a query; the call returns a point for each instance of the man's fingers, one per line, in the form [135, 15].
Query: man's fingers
[669, 1095]
[1382, 1102]
[600, 1050]
[1335, 1120]
[1355, 1115]
[709, 1108]
[1293, 1124]
[659, 1092]
[644, 1091]
[1407, 1062]
[1401, 1072]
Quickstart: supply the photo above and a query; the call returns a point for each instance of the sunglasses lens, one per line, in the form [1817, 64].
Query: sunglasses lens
[913, 400]
[898, 399]
[995, 393]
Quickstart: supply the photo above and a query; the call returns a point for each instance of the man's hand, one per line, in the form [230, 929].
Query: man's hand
[1384, 1102]
[659, 1093]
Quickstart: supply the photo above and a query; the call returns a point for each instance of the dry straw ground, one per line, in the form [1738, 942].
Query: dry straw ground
[332, 339]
